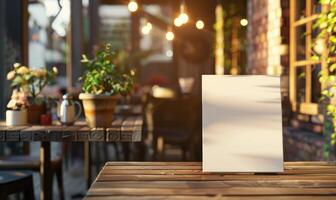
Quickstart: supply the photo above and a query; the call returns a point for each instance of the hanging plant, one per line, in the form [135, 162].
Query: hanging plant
[325, 51]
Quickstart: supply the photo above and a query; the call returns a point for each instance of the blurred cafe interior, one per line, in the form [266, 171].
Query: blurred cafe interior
[164, 46]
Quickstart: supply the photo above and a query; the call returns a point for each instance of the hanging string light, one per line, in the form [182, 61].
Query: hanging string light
[132, 6]
[243, 22]
[183, 17]
[170, 35]
[146, 29]
[178, 22]
[199, 24]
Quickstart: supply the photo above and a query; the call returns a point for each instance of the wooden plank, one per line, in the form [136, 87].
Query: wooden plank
[175, 167]
[55, 133]
[292, 54]
[83, 134]
[37, 133]
[309, 163]
[127, 128]
[171, 170]
[137, 131]
[70, 133]
[201, 177]
[305, 20]
[13, 133]
[113, 133]
[221, 175]
[307, 169]
[118, 163]
[97, 134]
[218, 184]
[207, 197]
[287, 165]
[241, 191]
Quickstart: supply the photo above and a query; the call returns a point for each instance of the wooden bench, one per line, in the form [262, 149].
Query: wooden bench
[185, 180]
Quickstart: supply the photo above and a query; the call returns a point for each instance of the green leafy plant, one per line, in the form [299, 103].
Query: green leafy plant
[103, 76]
[326, 40]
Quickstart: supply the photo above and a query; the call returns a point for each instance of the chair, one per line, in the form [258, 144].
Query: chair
[174, 123]
[16, 182]
[26, 162]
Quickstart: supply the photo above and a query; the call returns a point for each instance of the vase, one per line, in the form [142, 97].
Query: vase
[34, 113]
[99, 109]
[16, 117]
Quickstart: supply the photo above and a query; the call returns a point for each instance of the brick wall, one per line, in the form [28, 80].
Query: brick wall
[264, 37]
[257, 36]
[302, 145]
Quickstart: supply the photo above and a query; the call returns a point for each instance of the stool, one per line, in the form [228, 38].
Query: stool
[15, 182]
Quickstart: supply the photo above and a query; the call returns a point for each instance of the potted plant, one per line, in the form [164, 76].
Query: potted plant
[31, 82]
[16, 114]
[103, 83]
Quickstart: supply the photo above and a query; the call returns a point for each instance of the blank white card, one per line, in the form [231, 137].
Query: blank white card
[242, 124]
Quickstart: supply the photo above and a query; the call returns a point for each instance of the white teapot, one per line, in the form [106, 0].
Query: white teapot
[66, 110]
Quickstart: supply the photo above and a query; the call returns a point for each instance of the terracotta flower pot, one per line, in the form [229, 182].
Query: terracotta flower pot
[99, 109]
[34, 113]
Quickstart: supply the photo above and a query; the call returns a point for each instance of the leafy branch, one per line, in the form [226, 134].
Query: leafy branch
[326, 39]
[103, 76]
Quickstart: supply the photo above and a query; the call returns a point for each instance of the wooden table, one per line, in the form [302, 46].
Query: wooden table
[123, 129]
[185, 180]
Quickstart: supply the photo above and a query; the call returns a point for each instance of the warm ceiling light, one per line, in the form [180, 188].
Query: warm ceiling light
[170, 35]
[132, 6]
[146, 29]
[178, 22]
[149, 25]
[199, 24]
[183, 15]
[184, 18]
[243, 22]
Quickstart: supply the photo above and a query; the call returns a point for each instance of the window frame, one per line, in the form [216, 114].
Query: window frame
[307, 107]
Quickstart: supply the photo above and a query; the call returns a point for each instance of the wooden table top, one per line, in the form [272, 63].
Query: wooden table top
[123, 129]
[185, 180]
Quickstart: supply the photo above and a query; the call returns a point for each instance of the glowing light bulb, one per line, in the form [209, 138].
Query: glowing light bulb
[243, 22]
[199, 24]
[147, 28]
[169, 53]
[132, 6]
[184, 18]
[170, 35]
[149, 25]
[178, 22]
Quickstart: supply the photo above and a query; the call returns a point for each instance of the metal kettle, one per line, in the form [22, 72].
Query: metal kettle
[66, 111]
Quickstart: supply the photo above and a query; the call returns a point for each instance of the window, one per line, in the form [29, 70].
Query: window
[305, 88]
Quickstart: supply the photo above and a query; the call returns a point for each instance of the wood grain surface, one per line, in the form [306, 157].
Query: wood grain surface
[123, 129]
[185, 180]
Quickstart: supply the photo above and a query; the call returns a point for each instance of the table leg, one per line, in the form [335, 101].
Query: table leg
[87, 163]
[45, 171]
[126, 150]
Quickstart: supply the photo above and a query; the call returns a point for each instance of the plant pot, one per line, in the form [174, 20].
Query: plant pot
[34, 113]
[16, 117]
[99, 109]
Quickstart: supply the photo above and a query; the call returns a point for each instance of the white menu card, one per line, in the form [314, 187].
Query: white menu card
[242, 123]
